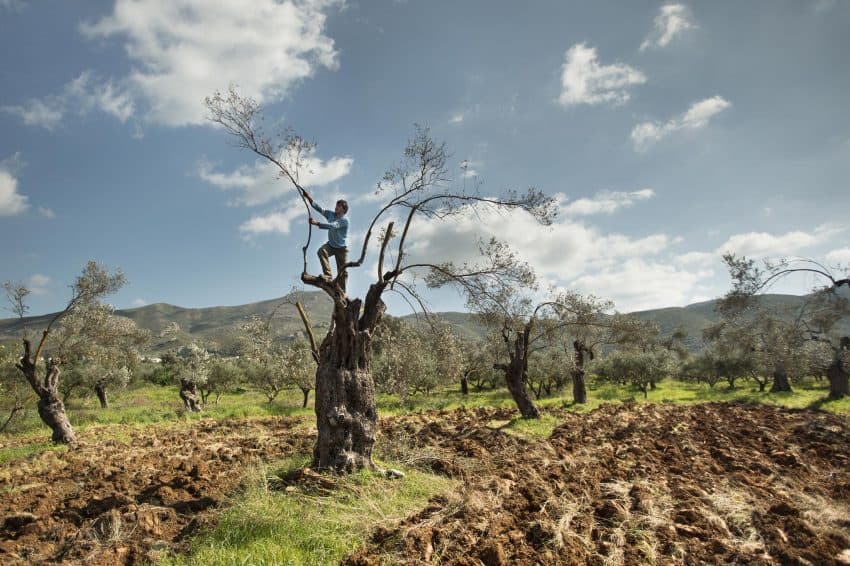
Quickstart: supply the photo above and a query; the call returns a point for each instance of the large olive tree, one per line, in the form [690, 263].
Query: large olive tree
[419, 186]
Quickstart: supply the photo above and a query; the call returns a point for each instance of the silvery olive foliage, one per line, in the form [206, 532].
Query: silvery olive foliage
[99, 349]
[635, 367]
[270, 365]
[415, 359]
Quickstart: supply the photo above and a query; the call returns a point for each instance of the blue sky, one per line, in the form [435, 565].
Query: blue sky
[667, 132]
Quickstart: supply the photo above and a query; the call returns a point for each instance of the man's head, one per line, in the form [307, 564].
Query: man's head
[341, 208]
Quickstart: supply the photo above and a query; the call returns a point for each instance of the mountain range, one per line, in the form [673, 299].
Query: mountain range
[218, 328]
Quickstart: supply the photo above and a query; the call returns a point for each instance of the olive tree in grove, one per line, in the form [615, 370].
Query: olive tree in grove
[188, 364]
[15, 396]
[223, 376]
[44, 375]
[506, 301]
[270, 365]
[587, 327]
[98, 348]
[783, 341]
[636, 367]
[476, 362]
[418, 187]
[415, 359]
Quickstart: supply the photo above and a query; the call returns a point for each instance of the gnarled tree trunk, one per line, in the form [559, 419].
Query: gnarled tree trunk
[51, 409]
[189, 395]
[100, 390]
[306, 392]
[780, 380]
[515, 379]
[579, 385]
[839, 387]
[346, 412]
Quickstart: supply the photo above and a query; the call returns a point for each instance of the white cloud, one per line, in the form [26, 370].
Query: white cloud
[279, 222]
[37, 284]
[139, 302]
[184, 50]
[763, 244]
[11, 201]
[585, 81]
[638, 284]
[697, 116]
[260, 182]
[606, 202]
[456, 118]
[45, 112]
[840, 256]
[82, 94]
[562, 251]
[672, 21]
[46, 212]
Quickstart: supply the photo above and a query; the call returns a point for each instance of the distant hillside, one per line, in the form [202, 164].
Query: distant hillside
[218, 327]
[215, 327]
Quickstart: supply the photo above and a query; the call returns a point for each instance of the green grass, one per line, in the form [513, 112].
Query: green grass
[150, 404]
[264, 525]
[10, 453]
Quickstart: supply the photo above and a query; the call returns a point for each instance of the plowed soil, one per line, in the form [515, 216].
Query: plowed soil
[633, 484]
[129, 502]
[625, 484]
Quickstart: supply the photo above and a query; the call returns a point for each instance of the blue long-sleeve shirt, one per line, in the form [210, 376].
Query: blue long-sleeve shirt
[337, 227]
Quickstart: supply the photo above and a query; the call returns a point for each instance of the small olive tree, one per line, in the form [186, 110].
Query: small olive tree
[44, 375]
[100, 349]
[816, 320]
[636, 367]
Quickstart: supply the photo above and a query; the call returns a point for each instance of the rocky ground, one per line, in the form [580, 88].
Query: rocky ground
[625, 484]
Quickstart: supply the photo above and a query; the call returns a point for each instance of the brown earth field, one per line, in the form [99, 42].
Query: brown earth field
[625, 484]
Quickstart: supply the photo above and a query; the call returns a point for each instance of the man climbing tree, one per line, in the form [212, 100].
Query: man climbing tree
[337, 244]
[419, 186]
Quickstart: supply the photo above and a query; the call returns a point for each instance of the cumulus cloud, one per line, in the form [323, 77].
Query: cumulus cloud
[259, 183]
[278, 222]
[139, 302]
[183, 50]
[672, 21]
[697, 116]
[46, 212]
[11, 201]
[83, 94]
[840, 256]
[639, 284]
[585, 81]
[561, 251]
[764, 244]
[456, 118]
[37, 284]
[606, 202]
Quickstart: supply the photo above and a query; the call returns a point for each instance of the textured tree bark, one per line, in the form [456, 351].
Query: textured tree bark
[306, 393]
[188, 393]
[52, 412]
[579, 384]
[780, 380]
[100, 390]
[579, 387]
[515, 379]
[346, 413]
[464, 385]
[50, 406]
[838, 380]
